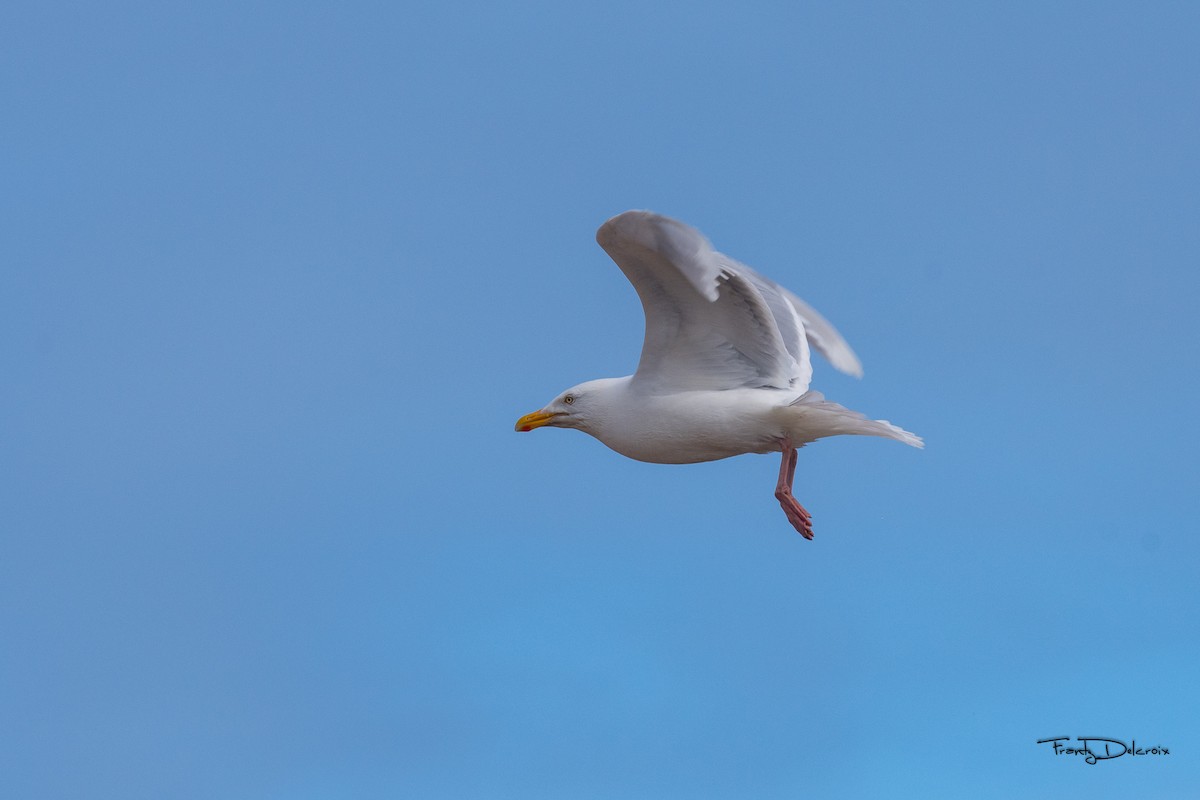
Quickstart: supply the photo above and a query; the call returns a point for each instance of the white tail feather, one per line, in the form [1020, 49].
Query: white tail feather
[813, 417]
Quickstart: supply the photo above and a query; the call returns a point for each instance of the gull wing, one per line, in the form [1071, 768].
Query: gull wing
[823, 337]
[712, 323]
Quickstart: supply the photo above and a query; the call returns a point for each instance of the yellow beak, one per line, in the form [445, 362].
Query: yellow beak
[535, 420]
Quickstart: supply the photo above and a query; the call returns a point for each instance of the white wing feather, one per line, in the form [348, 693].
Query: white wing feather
[712, 323]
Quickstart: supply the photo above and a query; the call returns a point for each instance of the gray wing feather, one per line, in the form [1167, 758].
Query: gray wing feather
[820, 332]
[712, 323]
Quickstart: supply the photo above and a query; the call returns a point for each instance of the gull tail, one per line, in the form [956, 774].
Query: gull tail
[811, 417]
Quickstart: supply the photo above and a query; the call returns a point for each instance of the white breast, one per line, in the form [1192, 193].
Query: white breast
[688, 427]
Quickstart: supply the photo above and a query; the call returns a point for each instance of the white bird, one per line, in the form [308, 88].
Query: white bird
[725, 363]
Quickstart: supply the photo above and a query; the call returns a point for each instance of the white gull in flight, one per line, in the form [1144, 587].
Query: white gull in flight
[725, 363]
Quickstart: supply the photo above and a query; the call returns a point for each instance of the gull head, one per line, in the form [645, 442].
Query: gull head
[583, 407]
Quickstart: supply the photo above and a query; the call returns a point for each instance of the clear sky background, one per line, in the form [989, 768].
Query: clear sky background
[277, 279]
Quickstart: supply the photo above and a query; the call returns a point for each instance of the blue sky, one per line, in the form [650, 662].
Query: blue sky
[277, 281]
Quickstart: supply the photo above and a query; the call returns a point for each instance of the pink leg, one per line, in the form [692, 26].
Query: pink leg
[797, 515]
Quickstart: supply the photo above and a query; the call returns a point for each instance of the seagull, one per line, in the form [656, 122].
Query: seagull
[725, 365]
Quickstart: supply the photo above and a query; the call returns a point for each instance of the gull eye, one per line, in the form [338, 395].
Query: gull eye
[569, 399]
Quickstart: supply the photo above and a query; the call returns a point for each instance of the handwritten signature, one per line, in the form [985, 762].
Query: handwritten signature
[1113, 748]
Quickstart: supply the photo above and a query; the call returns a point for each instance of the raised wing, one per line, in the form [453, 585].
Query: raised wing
[712, 323]
[823, 337]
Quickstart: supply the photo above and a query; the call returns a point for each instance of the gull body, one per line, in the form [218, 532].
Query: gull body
[725, 365]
